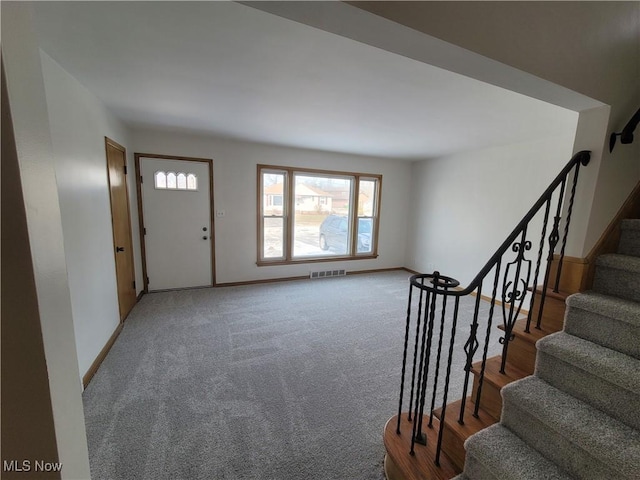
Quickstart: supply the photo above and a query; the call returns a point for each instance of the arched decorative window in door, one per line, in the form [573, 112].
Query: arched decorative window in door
[175, 181]
[160, 180]
[192, 182]
[182, 181]
[171, 181]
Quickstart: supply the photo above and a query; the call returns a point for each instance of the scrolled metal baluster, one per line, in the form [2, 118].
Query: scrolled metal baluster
[415, 431]
[487, 337]
[538, 263]
[515, 297]
[445, 395]
[470, 348]
[566, 228]
[435, 381]
[404, 357]
[554, 237]
[415, 349]
[421, 438]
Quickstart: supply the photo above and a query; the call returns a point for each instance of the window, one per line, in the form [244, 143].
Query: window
[160, 180]
[192, 182]
[175, 181]
[310, 215]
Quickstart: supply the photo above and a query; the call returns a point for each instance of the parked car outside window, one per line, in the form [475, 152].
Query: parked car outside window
[334, 234]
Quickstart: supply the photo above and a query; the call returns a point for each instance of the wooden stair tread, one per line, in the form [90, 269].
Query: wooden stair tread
[534, 334]
[559, 295]
[492, 373]
[421, 465]
[471, 424]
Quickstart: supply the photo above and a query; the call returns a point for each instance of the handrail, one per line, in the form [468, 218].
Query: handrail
[581, 157]
[511, 279]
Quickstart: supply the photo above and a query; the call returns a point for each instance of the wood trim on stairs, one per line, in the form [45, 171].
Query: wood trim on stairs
[608, 242]
[399, 465]
[577, 273]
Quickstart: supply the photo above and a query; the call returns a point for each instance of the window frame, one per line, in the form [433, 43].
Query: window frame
[288, 214]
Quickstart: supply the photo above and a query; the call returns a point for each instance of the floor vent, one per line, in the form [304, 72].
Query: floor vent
[328, 273]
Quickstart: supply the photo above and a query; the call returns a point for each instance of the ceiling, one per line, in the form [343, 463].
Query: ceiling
[230, 70]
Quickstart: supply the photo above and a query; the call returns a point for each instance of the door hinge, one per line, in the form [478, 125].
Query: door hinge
[141, 179]
[134, 284]
[144, 230]
[125, 169]
[147, 280]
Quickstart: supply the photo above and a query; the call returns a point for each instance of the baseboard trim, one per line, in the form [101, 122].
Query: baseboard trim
[411, 271]
[101, 356]
[306, 277]
[377, 270]
[258, 282]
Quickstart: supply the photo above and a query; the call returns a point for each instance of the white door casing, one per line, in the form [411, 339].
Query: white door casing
[177, 226]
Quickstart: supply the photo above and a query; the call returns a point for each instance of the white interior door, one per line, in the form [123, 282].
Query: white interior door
[177, 222]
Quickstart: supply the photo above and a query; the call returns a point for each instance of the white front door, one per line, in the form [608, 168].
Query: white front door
[176, 202]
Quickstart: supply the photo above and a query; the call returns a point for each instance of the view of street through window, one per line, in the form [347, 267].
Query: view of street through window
[322, 214]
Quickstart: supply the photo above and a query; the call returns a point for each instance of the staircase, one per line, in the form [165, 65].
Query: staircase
[520, 364]
[578, 416]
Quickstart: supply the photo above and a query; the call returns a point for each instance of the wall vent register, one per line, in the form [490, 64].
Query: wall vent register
[328, 273]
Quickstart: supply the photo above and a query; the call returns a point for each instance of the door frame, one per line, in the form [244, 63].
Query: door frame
[139, 180]
[109, 142]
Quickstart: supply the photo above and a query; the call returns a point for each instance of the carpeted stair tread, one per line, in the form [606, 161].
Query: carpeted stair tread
[603, 378]
[609, 321]
[630, 224]
[620, 309]
[603, 362]
[618, 275]
[619, 261]
[491, 446]
[589, 443]
[630, 237]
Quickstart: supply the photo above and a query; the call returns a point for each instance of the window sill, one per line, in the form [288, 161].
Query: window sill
[266, 263]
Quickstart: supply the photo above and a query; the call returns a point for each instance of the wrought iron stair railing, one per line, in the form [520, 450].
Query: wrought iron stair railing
[512, 280]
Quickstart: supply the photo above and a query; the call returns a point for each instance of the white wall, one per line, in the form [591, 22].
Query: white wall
[234, 168]
[78, 123]
[465, 205]
[26, 92]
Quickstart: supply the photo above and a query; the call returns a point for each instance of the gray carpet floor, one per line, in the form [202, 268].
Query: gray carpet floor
[288, 380]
